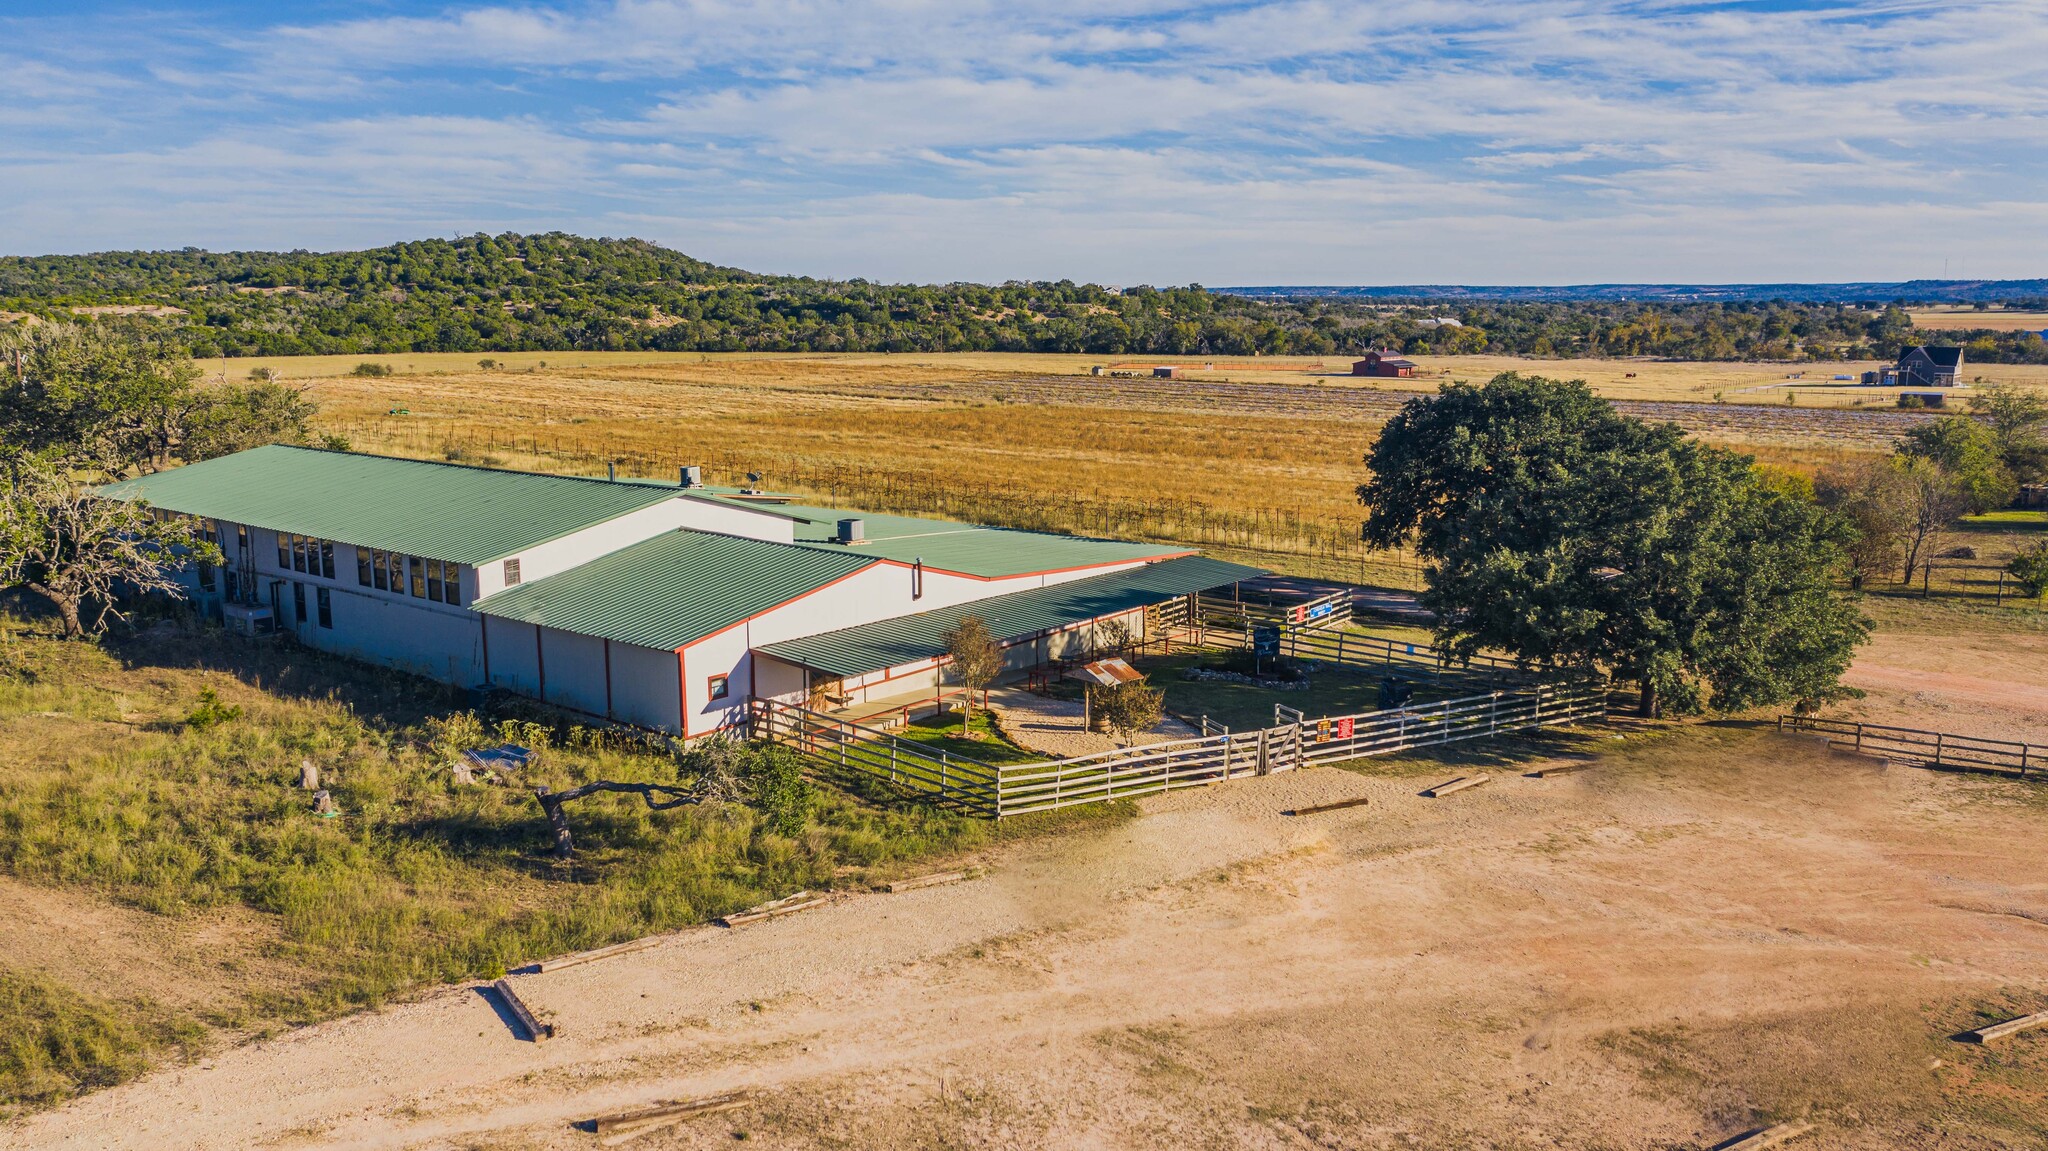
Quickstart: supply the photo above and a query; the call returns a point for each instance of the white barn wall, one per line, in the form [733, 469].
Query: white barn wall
[580, 547]
[572, 671]
[875, 593]
[644, 687]
[514, 659]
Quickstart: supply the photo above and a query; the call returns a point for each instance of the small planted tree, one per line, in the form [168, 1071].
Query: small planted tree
[977, 661]
[1129, 708]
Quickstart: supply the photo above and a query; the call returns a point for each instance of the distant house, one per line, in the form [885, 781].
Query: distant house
[1921, 367]
[1167, 372]
[1930, 367]
[1383, 364]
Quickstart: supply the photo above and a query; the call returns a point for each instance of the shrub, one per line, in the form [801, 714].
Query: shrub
[2030, 567]
[776, 777]
[369, 369]
[211, 712]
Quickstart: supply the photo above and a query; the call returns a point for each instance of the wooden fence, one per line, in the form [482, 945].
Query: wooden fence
[1328, 611]
[930, 774]
[1927, 748]
[1149, 769]
[1394, 657]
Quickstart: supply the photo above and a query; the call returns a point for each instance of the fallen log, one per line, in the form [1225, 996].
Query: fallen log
[536, 1031]
[1458, 784]
[1766, 1137]
[2009, 1027]
[1562, 769]
[787, 905]
[934, 880]
[596, 953]
[1339, 805]
[613, 1130]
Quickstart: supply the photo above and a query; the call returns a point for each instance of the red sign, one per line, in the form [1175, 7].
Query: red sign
[1344, 728]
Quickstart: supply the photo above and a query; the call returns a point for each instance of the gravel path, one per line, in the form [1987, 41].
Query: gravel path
[1054, 726]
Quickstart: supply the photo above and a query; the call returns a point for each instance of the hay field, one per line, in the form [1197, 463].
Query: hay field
[900, 437]
[1263, 472]
[1951, 319]
[1619, 379]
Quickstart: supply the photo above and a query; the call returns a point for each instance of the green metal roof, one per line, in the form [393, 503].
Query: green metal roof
[908, 639]
[674, 589]
[443, 511]
[971, 549]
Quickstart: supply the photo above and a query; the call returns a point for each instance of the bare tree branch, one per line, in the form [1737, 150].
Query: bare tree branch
[551, 804]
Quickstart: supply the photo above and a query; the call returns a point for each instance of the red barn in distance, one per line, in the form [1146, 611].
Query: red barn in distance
[1383, 364]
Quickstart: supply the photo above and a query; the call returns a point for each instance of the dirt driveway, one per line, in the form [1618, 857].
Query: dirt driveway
[1713, 929]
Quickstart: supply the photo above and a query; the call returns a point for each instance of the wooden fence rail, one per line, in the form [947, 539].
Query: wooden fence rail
[1148, 769]
[1356, 649]
[1928, 748]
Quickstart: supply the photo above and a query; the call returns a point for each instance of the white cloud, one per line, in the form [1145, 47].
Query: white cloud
[1125, 139]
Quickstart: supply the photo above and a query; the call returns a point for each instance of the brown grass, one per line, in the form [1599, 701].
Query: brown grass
[1966, 319]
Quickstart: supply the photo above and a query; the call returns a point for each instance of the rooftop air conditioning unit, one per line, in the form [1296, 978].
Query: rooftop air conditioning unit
[851, 531]
[692, 477]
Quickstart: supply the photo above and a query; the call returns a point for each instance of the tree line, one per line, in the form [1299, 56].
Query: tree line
[556, 292]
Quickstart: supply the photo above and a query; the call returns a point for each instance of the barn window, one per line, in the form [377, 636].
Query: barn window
[299, 601]
[434, 580]
[363, 567]
[205, 577]
[419, 576]
[284, 551]
[719, 686]
[326, 558]
[326, 607]
[395, 563]
[511, 573]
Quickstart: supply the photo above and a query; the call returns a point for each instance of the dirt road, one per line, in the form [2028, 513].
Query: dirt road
[1715, 929]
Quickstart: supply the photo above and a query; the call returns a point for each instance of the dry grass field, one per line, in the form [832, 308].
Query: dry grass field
[1251, 468]
[1951, 319]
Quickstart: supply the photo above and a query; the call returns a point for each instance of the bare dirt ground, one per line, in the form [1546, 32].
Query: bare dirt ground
[1992, 684]
[1058, 727]
[1714, 928]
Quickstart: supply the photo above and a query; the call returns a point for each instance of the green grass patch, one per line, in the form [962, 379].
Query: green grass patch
[987, 745]
[2010, 519]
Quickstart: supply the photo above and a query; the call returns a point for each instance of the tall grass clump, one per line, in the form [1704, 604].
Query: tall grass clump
[58, 1042]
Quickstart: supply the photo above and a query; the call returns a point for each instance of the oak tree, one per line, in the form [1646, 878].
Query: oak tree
[1555, 529]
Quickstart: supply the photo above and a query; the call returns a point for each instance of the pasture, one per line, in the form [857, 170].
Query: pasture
[1259, 471]
[1953, 319]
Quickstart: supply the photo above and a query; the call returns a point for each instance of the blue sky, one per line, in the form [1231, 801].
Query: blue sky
[1122, 141]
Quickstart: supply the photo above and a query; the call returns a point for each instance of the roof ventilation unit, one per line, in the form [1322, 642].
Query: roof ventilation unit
[611, 472]
[692, 477]
[850, 531]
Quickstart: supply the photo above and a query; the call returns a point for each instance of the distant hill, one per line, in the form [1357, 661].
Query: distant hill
[557, 292]
[1868, 293]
